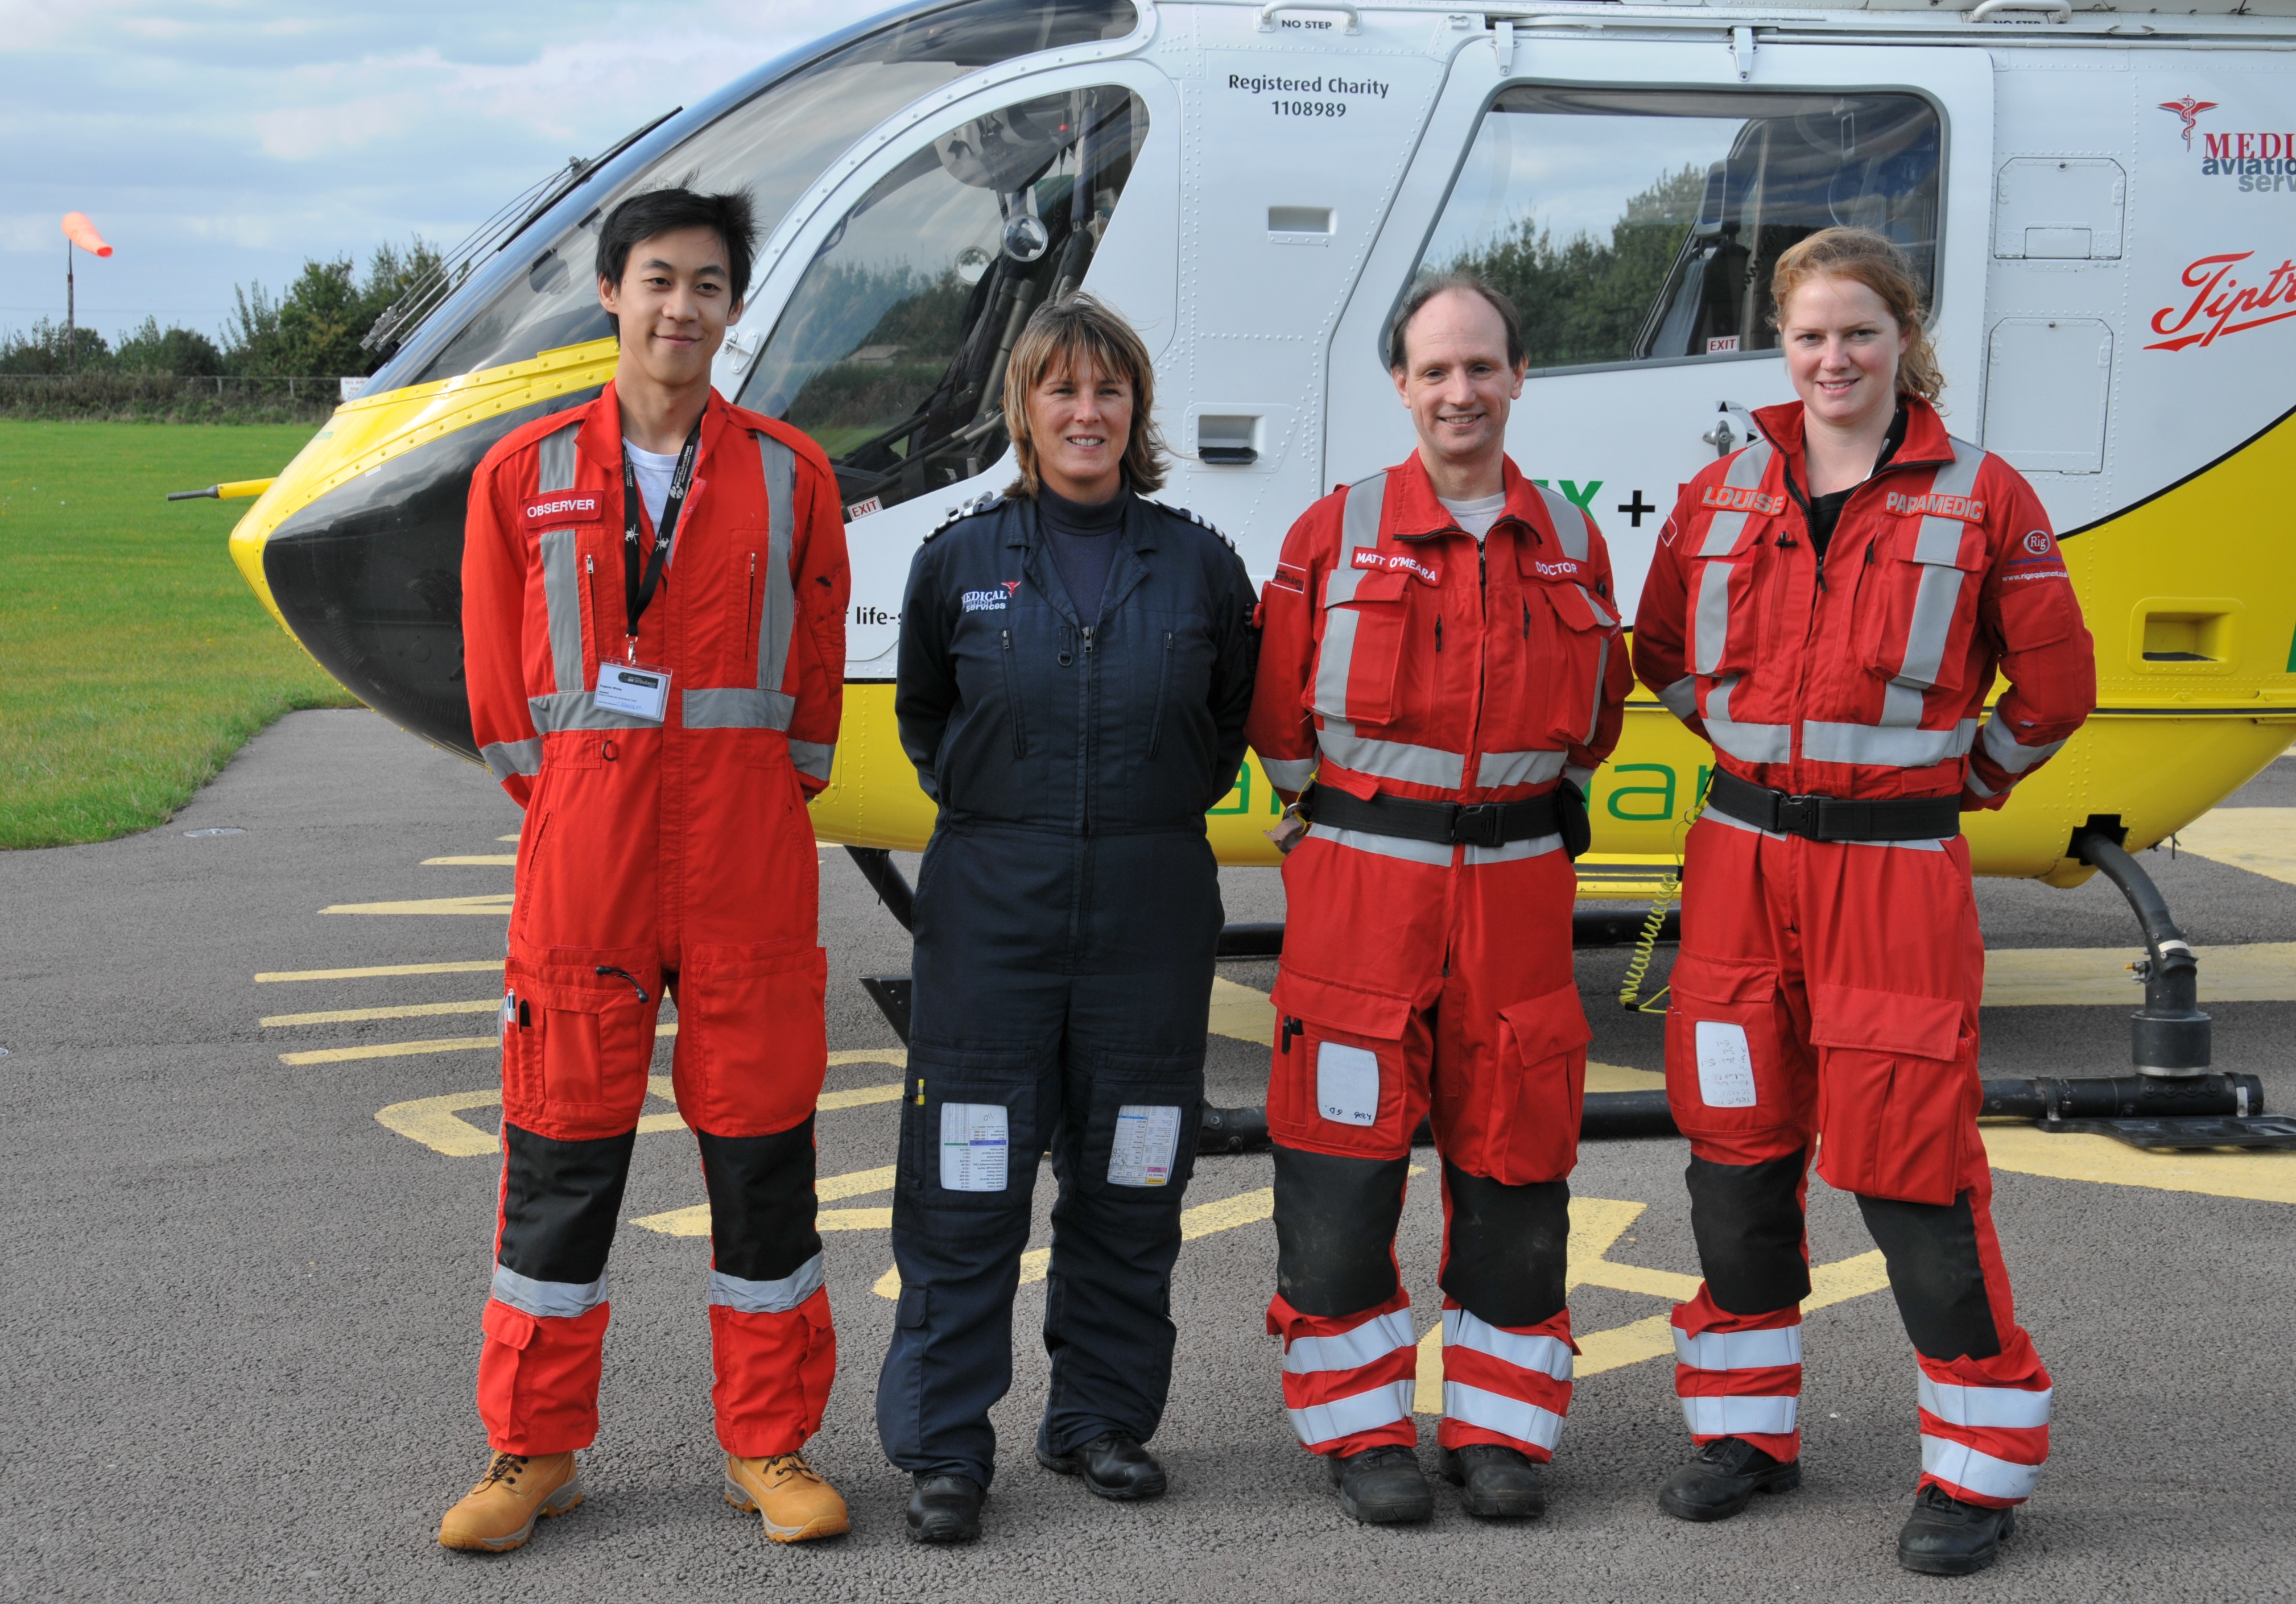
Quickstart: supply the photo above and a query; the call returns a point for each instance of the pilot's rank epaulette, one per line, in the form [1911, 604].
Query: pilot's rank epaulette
[1197, 519]
[987, 501]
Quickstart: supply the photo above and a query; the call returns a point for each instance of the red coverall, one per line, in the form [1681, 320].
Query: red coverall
[676, 854]
[1827, 991]
[1399, 658]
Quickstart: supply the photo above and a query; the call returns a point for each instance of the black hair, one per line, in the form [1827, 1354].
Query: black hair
[650, 212]
[1427, 288]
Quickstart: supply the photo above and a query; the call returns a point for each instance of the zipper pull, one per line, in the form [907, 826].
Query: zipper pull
[1439, 632]
[590, 565]
[1526, 620]
[1007, 635]
[1088, 639]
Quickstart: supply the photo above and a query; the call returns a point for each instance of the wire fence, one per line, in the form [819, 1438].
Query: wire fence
[168, 398]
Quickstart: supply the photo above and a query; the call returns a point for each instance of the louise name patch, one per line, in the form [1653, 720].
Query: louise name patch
[1729, 498]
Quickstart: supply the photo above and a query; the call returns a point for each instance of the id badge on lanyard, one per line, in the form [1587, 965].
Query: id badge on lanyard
[642, 689]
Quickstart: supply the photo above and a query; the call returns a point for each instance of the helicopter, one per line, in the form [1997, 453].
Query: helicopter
[2101, 203]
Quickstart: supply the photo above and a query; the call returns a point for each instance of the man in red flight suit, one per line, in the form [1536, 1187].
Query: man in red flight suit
[1441, 655]
[1834, 634]
[653, 597]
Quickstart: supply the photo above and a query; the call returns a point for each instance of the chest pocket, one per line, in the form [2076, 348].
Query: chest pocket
[1359, 661]
[1568, 635]
[1726, 627]
[1917, 604]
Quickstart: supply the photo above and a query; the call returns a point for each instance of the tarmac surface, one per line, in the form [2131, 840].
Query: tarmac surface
[248, 1248]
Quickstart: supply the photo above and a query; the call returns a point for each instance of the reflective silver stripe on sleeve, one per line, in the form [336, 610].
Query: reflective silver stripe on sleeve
[562, 595]
[1998, 1408]
[1713, 620]
[1978, 786]
[1738, 1350]
[813, 758]
[1959, 1465]
[1288, 773]
[2012, 755]
[1881, 747]
[555, 469]
[1494, 769]
[777, 611]
[547, 1300]
[1512, 852]
[736, 707]
[1747, 742]
[1583, 777]
[1735, 1416]
[1681, 697]
[1744, 473]
[1381, 1405]
[504, 758]
[1431, 852]
[1601, 678]
[1390, 759]
[1374, 1339]
[767, 1298]
[1548, 1356]
[1570, 523]
[1496, 1411]
[574, 710]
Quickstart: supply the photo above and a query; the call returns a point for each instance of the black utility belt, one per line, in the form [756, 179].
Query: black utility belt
[1560, 812]
[1835, 818]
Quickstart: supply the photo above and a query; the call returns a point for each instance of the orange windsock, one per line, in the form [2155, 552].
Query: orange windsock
[82, 233]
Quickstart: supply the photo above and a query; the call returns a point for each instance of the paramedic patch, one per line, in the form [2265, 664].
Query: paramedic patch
[1966, 508]
[556, 512]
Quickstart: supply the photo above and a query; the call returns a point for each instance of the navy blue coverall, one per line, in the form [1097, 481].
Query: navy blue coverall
[1066, 916]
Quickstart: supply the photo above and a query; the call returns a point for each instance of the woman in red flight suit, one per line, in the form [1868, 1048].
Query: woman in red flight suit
[1829, 608]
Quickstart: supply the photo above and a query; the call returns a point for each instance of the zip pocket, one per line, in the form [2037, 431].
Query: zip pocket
[1013, 694]
[1163, 685]
[750, 614]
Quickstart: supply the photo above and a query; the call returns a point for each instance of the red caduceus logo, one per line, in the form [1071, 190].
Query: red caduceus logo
[2190, 109]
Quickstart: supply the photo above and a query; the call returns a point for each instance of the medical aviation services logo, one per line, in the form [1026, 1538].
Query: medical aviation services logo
[991, 601]
[2190, 109]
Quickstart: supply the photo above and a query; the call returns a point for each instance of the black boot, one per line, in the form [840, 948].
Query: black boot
[945, 1507]
[1113, 1465]
[1382, 1487]
[1945, 1537]
[1723, 1479]
[1494, 1482]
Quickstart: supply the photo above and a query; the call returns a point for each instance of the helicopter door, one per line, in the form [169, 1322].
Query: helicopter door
[890, 349]
[1637, 228]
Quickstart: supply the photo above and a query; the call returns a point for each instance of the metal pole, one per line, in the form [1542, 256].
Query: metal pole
[71, 314]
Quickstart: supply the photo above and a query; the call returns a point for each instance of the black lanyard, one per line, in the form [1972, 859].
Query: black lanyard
[637, 593]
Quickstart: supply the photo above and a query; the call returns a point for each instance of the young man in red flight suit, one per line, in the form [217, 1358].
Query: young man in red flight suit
[654, 601]
[1829, 606]
[1441, 654]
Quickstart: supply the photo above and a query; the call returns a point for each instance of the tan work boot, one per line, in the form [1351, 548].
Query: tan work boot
[796, 1503]
[498, 1514]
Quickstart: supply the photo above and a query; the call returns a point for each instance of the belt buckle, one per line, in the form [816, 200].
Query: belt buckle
[1477, 825]
[1797, 816]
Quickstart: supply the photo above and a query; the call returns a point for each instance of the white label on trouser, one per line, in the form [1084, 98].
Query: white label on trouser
[1347, 1084]
[973, 1143]
[1147, 1135]
[1725, 1066]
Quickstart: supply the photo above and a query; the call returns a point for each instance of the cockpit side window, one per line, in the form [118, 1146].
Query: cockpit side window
[1634, 226]
[891, 351]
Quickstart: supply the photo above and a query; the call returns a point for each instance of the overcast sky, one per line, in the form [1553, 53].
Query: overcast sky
[218, 143]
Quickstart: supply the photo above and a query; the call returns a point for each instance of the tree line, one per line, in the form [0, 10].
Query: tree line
[311, 330]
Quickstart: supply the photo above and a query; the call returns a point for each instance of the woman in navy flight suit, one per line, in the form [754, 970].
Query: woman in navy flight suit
[1076, 664]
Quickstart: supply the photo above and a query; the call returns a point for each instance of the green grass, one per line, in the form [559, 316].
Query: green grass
[134, 659]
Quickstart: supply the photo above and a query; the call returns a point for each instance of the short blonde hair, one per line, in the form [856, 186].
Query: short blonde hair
[1875, 261]
[1056, 335]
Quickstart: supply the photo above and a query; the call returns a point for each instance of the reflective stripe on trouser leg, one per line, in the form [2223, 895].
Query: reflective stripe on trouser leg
[1347, 1380]
[1501, 1385]
[1738, 1375]
[1984, 1444]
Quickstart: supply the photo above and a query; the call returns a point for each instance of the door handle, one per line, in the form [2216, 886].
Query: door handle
[1723, 436]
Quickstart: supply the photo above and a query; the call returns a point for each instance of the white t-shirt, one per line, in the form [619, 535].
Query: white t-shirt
[654, 472]
[1477, 517]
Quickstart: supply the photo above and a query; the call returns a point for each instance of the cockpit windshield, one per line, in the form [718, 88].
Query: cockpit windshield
[776, 143]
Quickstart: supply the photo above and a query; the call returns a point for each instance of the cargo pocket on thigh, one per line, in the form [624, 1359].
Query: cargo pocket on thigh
[969, 1131]
[1896, 1095]
[1339, 1083]
[1538, 1084]
[575, 1047]
[1140, 1132]
[1724, 1073]
[753, 1041]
